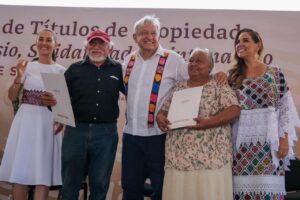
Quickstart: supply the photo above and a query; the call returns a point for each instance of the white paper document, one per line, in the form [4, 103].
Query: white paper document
[184, 107]
[56, 84]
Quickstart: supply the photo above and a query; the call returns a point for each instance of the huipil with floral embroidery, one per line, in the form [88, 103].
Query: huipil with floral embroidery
[189, 149]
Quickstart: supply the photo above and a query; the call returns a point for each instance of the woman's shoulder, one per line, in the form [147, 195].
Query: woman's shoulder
[219, 88]
[31, 65]
[212, 83]
[274, 68]
[276, 72]
[180, 85]
[58, 68]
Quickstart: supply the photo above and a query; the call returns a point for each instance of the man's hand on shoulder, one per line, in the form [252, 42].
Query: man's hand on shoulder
[221, 78]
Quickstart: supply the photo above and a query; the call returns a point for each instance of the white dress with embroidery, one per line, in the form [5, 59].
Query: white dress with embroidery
[268, 112]
[32, 153]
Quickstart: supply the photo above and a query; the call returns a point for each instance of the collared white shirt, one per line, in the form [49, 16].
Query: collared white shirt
[140, 87]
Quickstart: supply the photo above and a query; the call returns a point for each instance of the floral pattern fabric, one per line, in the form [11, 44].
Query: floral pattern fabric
[188, 149]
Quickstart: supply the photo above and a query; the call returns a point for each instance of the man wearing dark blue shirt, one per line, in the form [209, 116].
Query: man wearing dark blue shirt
[89, 149]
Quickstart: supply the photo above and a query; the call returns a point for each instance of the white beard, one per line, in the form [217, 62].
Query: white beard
[97, 59]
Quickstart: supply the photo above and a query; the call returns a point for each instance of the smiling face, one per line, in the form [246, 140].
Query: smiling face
[199, 65]
[46, 43]
[147, 38]
[246, 47]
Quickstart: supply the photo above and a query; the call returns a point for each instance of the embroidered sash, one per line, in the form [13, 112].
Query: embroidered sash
[155, 86]
[32, 97]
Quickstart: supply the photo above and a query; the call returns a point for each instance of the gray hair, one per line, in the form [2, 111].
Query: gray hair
[206, 51]
[148, 19]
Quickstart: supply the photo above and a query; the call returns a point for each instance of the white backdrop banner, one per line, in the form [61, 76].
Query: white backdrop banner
[182, 30]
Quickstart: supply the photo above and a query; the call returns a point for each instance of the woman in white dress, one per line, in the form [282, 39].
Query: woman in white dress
[264, 135]
[32, 152]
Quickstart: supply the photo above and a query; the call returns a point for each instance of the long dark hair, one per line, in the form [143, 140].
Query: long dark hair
[238, 71]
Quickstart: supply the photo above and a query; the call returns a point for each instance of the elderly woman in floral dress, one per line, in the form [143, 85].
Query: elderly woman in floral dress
[198, 158]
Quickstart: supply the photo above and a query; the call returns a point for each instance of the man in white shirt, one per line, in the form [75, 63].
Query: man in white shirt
[149, 75]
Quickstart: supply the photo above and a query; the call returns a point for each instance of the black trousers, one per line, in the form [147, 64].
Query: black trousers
[142, 158]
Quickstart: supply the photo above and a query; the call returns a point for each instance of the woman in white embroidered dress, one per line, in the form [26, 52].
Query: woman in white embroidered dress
[198, 159]
[265, 133]
[32, 151]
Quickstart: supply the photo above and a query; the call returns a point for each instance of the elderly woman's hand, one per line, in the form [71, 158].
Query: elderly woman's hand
[283, 146]
[202, 123]
[162, 121]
